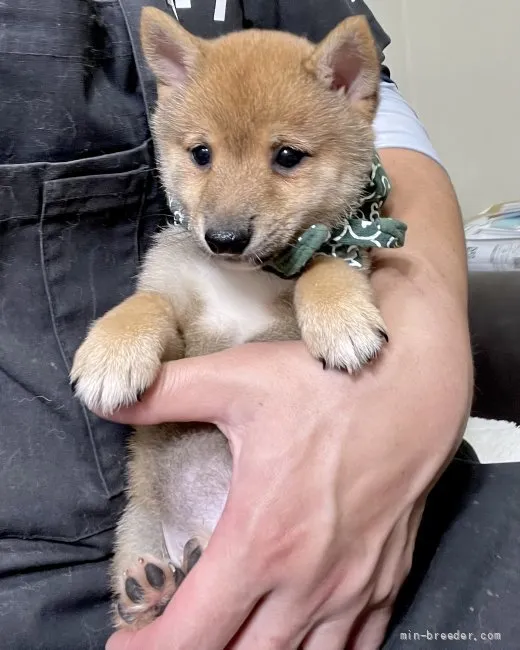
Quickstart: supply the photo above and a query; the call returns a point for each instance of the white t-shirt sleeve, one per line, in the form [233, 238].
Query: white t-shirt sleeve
[397, 126]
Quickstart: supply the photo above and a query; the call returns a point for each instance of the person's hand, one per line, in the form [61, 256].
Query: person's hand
[329, 483]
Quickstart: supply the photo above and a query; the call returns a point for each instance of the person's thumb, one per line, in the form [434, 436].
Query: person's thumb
[188, 390]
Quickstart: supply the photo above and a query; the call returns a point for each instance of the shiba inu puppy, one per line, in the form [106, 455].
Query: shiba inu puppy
[260, 135]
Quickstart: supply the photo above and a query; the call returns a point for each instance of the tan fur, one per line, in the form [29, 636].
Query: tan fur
[244, 95]
[126, 346]
[330, 299]
[253, 91]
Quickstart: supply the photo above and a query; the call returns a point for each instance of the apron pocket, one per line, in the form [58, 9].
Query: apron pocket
[62, 469]
[89, 237]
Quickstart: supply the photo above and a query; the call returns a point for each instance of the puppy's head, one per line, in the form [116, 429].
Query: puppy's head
[261, 134]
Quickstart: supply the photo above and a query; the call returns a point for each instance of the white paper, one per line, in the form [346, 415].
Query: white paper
[493, 254]
[174, 9]
[220, 10]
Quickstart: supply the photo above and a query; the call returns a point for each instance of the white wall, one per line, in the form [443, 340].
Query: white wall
[458, 63]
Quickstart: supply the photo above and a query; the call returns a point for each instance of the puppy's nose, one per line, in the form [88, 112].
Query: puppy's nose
[231, 242]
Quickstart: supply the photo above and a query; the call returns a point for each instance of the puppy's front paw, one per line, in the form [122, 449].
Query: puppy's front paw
[146, 589]
[344, 336]
[114, 365]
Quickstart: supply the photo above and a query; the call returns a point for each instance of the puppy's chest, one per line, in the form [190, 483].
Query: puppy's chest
[234, 308]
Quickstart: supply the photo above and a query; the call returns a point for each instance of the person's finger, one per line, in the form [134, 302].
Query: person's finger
[127, 640]
[332, 635]
[188, 390]
[212, 387]
[371, 630]
[280, 622]
[208, 388]
[217, 596]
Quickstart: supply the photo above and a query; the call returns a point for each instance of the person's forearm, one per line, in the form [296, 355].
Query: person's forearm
[421, 289]
[422, 196]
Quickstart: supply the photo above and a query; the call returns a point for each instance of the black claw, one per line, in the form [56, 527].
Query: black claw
[384, 335]
[160, 607]
[134, 591]
[179, 576]
[73, 385]
[192, 553]
[126, 616]
[139, 396]
[323, 363]
[154, 575]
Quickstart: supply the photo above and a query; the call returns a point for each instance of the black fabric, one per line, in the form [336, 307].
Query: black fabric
[494, 309]
[79, 201]
[68, 83]
[465, 574]
[311, 18]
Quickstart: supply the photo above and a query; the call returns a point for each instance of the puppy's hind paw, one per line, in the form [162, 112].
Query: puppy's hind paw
[146, 589]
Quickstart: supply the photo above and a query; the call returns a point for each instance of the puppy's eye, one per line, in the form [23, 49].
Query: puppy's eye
[201, 155]
[287, 157]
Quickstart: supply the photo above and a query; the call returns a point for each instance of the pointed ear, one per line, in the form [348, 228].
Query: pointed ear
[171, 51]
[347, 59]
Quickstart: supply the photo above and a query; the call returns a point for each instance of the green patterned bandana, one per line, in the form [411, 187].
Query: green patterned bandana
[362, 228]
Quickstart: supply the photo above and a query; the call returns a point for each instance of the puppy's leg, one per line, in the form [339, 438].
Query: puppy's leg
[122, 354]
[142, 575]
[143, 579]
[178, 479]
[337, 317]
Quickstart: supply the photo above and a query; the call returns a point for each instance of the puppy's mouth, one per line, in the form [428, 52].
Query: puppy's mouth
[241, 262]
[255, 257]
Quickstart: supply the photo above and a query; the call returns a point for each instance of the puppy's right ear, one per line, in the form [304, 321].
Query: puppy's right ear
[170, 50]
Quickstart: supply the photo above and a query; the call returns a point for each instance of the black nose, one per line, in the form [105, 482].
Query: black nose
[232, 242]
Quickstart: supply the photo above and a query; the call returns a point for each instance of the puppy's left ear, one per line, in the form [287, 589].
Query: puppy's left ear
[347, 59]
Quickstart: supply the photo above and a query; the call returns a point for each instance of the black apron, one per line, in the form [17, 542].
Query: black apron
[79, 201]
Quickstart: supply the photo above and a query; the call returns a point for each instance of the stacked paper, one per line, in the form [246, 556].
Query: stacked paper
[493, 239]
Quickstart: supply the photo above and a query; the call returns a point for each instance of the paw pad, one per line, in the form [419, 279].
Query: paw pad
[147, 588]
